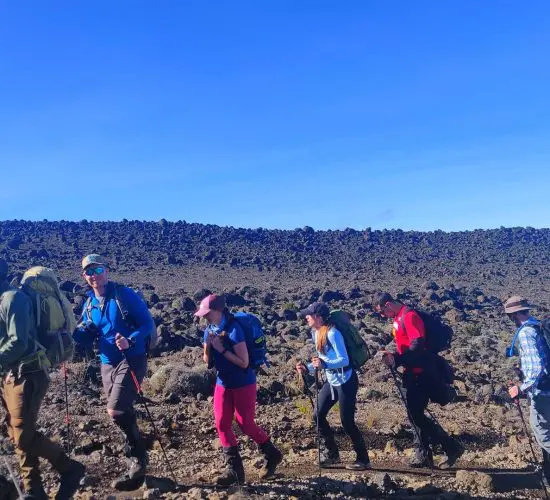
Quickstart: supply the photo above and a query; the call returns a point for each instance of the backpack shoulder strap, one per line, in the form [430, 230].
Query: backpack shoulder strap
[116, 297]
[402, 319]
[86, 308]
[124, 312]
[536, 326]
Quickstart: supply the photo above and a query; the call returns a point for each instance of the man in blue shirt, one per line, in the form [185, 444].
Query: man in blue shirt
[533, 353]
[118, 319]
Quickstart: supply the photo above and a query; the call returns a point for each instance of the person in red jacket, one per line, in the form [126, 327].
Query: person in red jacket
[410, 340]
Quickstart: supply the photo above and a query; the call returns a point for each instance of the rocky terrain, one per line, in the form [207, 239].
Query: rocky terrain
[461, 276]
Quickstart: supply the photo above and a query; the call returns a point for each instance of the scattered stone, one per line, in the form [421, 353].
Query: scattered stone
[478, 481]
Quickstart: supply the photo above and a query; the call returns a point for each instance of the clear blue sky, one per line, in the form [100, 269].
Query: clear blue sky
[277, 113]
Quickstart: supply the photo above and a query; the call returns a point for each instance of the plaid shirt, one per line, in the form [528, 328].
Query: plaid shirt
[533, 353]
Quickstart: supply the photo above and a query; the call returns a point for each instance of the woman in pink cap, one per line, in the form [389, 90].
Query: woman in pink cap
[235, 393]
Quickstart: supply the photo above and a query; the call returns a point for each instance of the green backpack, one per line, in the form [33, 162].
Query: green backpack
[356, 347]
[55, 321]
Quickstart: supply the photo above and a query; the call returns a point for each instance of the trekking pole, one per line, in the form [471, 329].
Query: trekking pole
[415, 430]
[156, 433]
[317, 419]
[67, 413]
[15, 482]
[535, 461]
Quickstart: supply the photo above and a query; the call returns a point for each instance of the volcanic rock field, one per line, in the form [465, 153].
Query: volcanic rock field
[462, 276]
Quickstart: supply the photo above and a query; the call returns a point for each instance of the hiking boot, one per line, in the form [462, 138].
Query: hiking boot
[8, 491]
[234, 470]
[134, 477]
[359, 465]
[329, 452]
[453, 451]
[273, 458]
[421, 458]
[70, 480]
[34, 493]
[328, 459]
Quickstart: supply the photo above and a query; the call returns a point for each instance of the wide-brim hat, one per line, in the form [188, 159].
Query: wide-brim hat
[516, 304]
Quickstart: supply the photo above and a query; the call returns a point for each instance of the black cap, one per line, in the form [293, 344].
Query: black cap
[317, 308]
[3, 269]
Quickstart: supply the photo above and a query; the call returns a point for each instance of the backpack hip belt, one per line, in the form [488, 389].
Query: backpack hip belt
[34, 363]
[343, 368]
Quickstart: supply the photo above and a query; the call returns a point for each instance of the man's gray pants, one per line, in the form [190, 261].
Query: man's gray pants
[539, 419]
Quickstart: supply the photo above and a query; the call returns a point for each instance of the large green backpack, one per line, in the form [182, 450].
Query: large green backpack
[55, 321]
[357, 349]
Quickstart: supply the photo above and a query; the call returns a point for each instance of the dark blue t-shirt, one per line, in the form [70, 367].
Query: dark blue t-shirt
[229, 375]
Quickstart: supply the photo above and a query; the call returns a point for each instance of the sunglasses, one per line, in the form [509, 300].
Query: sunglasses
[91, 271]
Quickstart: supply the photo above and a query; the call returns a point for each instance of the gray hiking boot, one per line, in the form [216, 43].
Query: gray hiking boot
[134, 477]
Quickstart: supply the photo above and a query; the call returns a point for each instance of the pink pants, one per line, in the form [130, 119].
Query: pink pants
[240, 402]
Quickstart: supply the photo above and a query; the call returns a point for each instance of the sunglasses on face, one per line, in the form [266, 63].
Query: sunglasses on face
[94, 271]
[382, 309]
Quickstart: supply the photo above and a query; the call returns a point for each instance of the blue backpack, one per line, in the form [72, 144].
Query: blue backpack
[255, 339]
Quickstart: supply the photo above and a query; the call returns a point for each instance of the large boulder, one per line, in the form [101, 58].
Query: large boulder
[175, 378]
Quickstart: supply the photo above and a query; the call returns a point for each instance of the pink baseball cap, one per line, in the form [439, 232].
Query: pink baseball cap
[211, 303]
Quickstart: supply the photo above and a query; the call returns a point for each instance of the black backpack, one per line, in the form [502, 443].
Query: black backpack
[438, 334]
[544, 330]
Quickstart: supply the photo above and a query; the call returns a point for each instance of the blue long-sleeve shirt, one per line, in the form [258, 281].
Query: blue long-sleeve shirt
[335, 358]
[108, 318]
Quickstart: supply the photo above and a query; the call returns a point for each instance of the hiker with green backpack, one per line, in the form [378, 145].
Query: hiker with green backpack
[339, 356]
[119, 321]
[24, 365]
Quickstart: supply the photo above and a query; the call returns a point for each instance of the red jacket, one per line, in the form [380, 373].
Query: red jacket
[410, 341]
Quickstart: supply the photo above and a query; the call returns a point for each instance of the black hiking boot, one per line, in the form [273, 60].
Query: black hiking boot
[34, 493]
[8, 491]
[359, 465]
[329, 452]
[234, 470]
[134, 477]
[421, 458]
[70, 480]
[453, 451]
[362, 462]
[329, 457]
[135, 452]
[273, 458]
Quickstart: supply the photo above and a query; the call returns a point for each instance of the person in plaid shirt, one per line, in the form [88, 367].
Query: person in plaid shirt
[534, 354]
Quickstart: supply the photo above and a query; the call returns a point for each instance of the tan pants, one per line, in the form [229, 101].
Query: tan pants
[22, 397]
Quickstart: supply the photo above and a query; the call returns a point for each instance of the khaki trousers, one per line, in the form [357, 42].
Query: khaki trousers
[21, 398]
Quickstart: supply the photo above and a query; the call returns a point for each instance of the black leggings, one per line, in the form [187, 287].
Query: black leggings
[346, 395]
